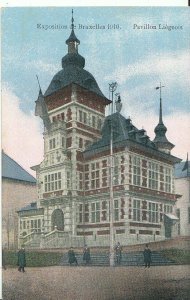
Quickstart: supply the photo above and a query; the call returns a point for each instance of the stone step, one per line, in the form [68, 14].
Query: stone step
[128, 259]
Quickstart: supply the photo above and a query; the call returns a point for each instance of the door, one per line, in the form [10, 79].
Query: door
[57, 219]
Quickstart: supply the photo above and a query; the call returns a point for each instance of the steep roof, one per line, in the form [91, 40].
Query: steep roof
[73, 70]
[12, 170]
[123, 130]
[124, 134]
[73, 74]
[179, 173]
[31, 206]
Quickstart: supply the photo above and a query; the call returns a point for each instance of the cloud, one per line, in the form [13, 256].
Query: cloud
[42, 66]
[21, 133]
[171, 67]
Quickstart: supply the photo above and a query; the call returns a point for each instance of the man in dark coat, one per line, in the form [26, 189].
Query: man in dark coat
[147, 256]
[86, 254]
[21, 260]
[118, 251]
[72, 257]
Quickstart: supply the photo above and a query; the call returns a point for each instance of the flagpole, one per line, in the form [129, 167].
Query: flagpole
[112, 88]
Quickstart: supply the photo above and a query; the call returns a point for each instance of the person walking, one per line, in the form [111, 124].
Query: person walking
[118, 251]
[21, 260]
[147, 256]
[86, 254]
[72, 257]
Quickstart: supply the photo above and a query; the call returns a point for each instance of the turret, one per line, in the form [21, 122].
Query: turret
[160, 139]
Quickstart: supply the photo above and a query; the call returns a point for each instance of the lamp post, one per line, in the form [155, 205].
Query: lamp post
[112, 88]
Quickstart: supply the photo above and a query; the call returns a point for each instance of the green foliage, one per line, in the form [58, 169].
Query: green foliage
[180, 256]
[34, 258]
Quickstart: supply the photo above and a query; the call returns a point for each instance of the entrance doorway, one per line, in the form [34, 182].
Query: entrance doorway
[168, 227]
[57, 219]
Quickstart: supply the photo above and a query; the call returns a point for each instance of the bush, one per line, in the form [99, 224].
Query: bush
[34, 258]
[177, 255]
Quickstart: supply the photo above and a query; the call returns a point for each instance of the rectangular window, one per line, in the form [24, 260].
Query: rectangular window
[85, 117]
[153, 175]
[52, 143]
[93, 122]
[28, 224]
[68, 180]
[80, 213]
[104, 173]
[39, 223]
[167, 180]
[63, 142]
[86, 212]
[35, 224]
[104, 210]
[178, 213]
[116, 175]
[80, 180]
[153, 212]
[80, 143]
[95, 175]
[116, 210]
[95, 212]
[168, 209]
[24, 224]
[80, 116]
[136, 171]
[52, 182]
[136, 210]
[99, 124]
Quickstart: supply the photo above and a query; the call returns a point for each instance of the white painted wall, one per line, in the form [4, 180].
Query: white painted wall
[182, 186]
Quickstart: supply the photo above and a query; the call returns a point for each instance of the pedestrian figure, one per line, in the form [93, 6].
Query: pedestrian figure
[86, 254]
[147, 256]
[72, 257]
[118, 251]
[21, 260]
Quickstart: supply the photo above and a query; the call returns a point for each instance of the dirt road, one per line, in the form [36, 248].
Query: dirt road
[97, 283]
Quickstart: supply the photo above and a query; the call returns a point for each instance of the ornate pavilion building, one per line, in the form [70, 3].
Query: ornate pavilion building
[73, 180]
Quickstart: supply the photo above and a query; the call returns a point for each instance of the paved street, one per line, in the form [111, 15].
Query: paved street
[97, 283]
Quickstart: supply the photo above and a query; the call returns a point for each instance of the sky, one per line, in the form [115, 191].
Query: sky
[138, 59]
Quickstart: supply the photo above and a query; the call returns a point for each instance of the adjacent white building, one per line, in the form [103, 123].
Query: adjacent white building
[182, 186]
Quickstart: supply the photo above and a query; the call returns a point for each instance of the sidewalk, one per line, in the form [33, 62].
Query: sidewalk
[97, 283]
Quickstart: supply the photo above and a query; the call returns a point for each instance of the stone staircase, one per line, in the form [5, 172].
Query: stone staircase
[128, 259]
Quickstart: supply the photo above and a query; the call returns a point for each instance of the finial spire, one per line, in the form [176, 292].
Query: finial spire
[160, 114]
[72, 21]
[40, 90]
[160, 130]
[72, 41]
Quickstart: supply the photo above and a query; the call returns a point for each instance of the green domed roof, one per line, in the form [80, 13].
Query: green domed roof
[73, 70]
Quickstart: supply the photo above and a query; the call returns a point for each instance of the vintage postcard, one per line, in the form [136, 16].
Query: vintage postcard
[95, 143]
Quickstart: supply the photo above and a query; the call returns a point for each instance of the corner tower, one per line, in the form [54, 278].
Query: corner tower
[75, 107]
[75, 97]
[160, 139]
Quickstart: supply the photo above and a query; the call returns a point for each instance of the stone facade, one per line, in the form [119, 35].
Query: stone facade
[74, 177]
